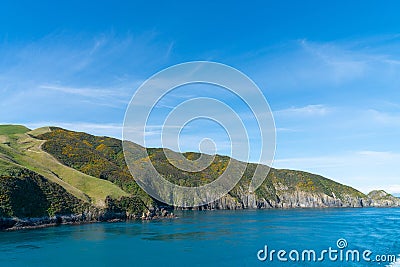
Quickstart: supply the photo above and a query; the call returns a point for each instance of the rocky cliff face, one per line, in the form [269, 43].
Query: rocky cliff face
[302, 199]
[379, 198]
[299, 199]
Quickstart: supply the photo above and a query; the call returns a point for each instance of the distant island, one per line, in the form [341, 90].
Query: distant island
[51, 176]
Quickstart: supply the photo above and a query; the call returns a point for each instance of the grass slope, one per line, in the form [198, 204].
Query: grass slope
[22, 148]
[13, 129]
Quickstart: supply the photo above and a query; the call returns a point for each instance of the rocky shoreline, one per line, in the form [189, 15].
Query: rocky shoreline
[13, 224]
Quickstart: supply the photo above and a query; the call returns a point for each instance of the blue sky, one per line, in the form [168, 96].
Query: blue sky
[330, 71]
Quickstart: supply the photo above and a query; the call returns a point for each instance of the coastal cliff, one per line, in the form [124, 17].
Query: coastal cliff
[52, 176]
[311, 192]
[299, 199]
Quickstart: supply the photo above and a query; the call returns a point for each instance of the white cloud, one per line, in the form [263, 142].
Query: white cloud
[286, 130]
[100, 129]
[381, 117]
[87, 92]
[364, 170]
[102, 70]
[340, 64]
[306, 66]
[309, 110]
[393, 189]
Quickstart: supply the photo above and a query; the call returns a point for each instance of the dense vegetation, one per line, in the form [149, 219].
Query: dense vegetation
[24, 193]
[103, 157]
[308, 182]
[100, 157]
[293, 180]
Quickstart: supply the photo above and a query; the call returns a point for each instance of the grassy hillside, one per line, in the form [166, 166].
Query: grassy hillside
[22, 148]
[13, 129]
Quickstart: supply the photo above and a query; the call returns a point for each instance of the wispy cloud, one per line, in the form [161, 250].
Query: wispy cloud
[309, 66]
[386, 118]
[286, 130]
[339, 63]
[86, 91]
[309, 110]
[169, 50]
[365, 170]
[101, 129]
[393, 189]
[91, 76]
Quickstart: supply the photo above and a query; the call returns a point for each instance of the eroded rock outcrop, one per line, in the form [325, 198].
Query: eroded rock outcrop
[286, 199]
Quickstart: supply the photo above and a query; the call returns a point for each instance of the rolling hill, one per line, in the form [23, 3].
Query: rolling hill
[51, 172]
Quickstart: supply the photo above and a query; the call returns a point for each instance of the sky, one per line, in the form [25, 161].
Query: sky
[330, 72]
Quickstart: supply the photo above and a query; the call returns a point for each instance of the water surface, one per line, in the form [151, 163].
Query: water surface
[206, 238]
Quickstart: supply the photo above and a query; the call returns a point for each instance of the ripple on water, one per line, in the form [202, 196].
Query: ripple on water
[27, 246]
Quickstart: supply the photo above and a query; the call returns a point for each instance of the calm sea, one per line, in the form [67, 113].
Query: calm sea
[213, 238]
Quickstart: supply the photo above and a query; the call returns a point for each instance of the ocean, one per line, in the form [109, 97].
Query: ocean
[217, 238]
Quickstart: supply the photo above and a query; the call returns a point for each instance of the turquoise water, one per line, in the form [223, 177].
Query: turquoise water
[206, 238]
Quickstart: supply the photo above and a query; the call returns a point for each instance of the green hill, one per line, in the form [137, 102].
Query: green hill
[21, 152]
[102, 157]
[13, 129]
[52, 171]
